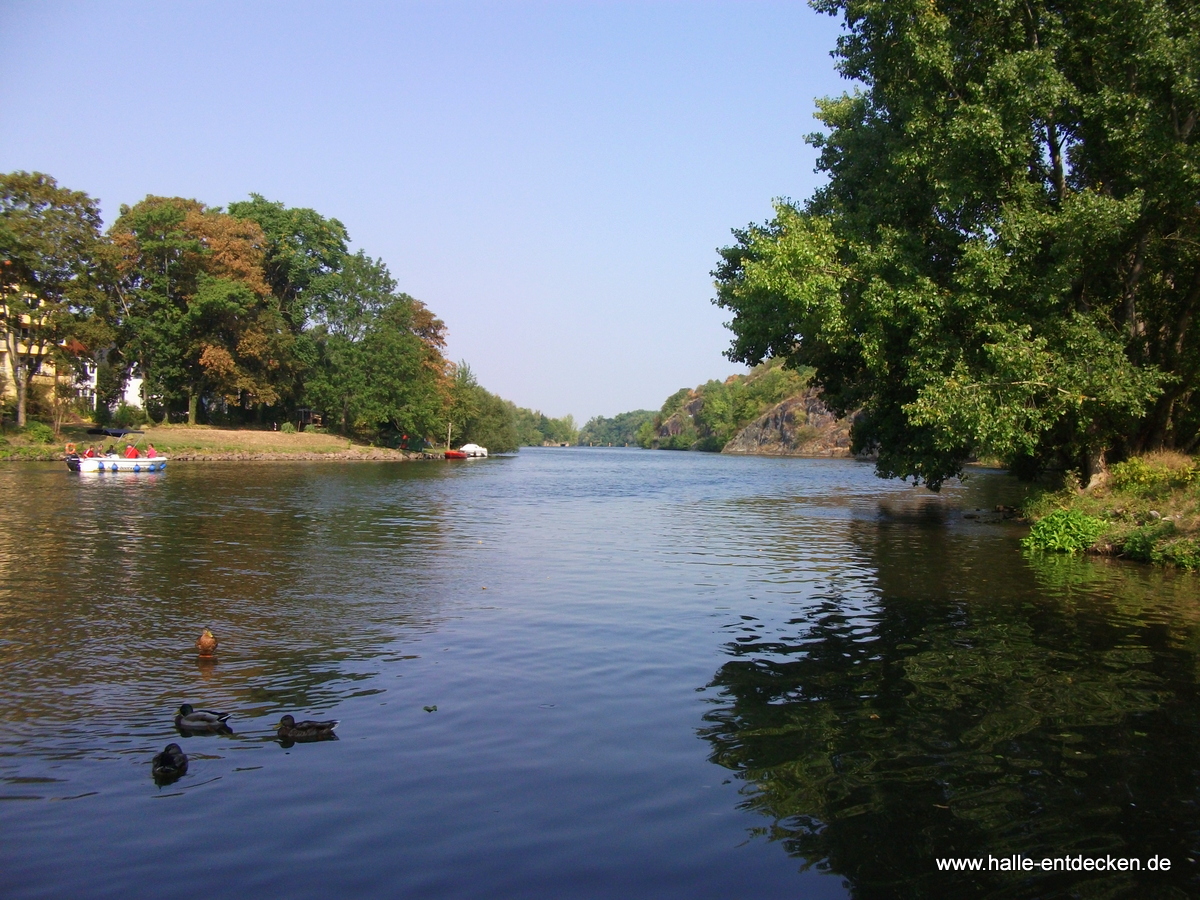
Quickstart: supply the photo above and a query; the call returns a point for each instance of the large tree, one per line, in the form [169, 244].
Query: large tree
[1006, 256]
[200, 319]
[380, 366]
[303, 255]
[49, 246]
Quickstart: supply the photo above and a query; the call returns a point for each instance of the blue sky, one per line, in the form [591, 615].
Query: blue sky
[551, 178]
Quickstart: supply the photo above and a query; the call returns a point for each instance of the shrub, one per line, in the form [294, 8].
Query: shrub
[1153, 544]
[38, 433]
[1064, 531]
[1142, 544]
[287, 428]
[1184, 553]
[1153, 476]
[315, 429]
[128, 416]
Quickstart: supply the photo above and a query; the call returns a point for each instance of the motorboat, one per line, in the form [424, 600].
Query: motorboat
[114, 462]
[468, 451]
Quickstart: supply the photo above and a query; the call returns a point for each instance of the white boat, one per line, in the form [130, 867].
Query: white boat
[474, 451]
[113, 462]
[116, 464]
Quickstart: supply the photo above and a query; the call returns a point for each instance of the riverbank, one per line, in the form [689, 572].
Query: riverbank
[1147, 510]
[199, 443]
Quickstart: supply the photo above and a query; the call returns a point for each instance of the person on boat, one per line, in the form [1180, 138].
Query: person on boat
[131, 452]
[110, 450]
[91, 452]
[150, 451]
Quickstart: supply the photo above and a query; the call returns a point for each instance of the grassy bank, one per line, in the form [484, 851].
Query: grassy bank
[198, 442]
[1148, 510]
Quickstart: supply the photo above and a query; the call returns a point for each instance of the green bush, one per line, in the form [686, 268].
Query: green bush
[1153, 544]
[1184, 553]
[315, 429]
[1149, 479]
[128, 416]
[38, 433]
[287, 428]
[1064, 531]
[1142, 544]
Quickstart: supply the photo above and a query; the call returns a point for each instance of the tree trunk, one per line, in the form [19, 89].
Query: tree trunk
[22, 379]
[193, 405]
[1095, 469]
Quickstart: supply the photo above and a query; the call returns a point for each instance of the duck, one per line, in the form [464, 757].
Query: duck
[190, 720]
[292, 731]
[170, 764]
[206, 644]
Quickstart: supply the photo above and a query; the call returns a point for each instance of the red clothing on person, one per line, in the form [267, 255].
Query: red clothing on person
[131, 452]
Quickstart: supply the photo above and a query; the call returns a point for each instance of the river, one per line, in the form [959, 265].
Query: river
[581, 673]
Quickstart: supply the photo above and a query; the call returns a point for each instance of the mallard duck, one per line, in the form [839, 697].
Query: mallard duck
[170, 764]
[190, 720]
[206, 644]
[299, 732]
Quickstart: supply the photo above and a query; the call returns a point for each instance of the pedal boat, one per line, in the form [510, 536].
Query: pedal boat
[113, 462]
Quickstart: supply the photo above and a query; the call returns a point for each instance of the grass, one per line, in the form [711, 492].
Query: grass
[1148, 509]
[193, 442]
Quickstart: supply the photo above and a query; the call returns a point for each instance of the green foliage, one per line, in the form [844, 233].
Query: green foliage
[227, 314]
[1149, 479]
[1003, 259]
[480, 417]
[126, 416]
[1064, 531]
[304, 250]
[38, 433]
[287, 428]
[711, 415]
[199, 320]
[378, 362]
[50, 279]
[534, 429]
[618, 431]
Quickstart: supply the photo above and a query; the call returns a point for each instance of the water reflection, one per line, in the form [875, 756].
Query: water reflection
[104, 584]
[942, 708]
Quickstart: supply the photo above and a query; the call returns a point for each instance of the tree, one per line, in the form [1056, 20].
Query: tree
[303, 250]
[479, 416]
[621, 429]
[49, 244]
[303, 254]
[1006, 256]
[198, 316]
[380, 366]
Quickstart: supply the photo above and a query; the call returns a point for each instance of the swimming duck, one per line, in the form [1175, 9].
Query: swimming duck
[170, 764]
[193, 721]
[206, 644]
[300, 732]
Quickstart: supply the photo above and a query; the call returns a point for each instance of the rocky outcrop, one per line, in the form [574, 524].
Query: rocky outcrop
[798, 426]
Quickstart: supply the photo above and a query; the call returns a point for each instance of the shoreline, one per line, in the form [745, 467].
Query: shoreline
[380, 454]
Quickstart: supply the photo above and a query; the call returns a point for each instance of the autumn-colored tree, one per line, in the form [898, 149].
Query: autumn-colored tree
[200, 317]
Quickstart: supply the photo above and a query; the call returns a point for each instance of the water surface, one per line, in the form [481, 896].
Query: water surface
[655, 675]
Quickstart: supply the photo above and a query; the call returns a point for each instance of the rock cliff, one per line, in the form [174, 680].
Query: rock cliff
[798, 426]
